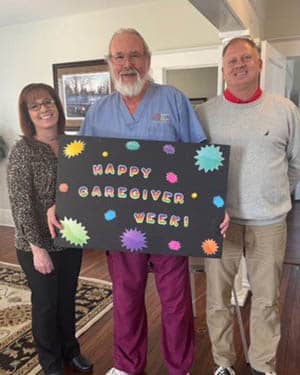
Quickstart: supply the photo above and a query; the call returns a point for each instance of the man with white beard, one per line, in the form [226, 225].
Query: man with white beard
[141, 109]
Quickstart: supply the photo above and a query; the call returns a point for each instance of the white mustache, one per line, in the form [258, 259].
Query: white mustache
[128, 71]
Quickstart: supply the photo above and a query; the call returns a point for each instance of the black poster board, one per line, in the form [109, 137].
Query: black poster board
[141, 196]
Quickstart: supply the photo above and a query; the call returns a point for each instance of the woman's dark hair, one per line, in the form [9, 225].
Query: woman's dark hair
[27, 95]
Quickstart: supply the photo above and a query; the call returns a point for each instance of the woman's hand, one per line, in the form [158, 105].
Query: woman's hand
[41, 260]
[52, 221]
[225, 224]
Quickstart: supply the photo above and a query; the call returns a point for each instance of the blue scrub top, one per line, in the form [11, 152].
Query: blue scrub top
[164, 114]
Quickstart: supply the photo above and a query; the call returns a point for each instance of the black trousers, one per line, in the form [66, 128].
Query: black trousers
[53, 306]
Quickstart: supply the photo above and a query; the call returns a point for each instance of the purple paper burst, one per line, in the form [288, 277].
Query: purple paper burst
[133, 240]
[169, 149]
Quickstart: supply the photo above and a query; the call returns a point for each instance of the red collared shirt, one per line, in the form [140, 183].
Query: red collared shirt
[231, 98]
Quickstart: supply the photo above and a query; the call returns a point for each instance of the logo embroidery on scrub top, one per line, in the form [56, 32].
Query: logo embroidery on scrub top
[161, 118]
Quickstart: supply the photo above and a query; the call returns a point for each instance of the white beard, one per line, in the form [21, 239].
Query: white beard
[130, 89]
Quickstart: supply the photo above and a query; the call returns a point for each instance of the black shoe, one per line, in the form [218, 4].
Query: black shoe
[56, 372]
[80, 364]
[224, 371]
[255, 372]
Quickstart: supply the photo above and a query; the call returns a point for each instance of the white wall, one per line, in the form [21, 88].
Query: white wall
[289, 47]
[29, 50]
[195, 83]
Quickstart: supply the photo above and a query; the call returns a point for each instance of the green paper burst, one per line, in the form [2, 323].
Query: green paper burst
[74, 232]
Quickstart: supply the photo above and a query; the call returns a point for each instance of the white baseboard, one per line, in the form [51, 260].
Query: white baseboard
[6, 218]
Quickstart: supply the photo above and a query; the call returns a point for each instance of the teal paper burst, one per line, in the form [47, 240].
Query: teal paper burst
[209, 158]
[133, 145]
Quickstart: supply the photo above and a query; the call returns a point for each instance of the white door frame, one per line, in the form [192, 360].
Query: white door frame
[191, 58]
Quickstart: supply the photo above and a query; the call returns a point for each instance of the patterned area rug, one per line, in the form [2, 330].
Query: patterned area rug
[17, 353]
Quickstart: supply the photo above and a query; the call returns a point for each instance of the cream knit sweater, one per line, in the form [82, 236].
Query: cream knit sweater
[264, 136]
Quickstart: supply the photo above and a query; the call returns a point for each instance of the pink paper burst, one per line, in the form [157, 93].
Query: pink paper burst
[172, 177]
[174, 245]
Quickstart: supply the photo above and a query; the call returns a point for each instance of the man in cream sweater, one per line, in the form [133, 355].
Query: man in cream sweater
[263, 130]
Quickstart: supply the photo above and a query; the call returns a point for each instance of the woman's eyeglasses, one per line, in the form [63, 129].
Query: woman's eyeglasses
[35, 107]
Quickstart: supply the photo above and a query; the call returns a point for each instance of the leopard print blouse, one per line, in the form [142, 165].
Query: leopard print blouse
[31, 178]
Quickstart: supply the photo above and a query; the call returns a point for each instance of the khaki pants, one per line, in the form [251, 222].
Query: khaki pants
[264, 248]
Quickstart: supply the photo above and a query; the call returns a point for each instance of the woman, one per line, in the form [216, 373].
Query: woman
[52, 272]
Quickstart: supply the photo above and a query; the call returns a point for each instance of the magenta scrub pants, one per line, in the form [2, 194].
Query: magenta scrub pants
[129, 276]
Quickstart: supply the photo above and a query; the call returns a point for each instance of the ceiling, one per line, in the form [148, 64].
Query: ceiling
[280, 18]
[24, 11]
[266, 19]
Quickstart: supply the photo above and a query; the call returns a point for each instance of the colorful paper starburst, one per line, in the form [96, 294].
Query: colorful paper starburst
[210, 247]
[169, 149]
[74, 232]
[110, 215]
[209, 158]
[133, 240]
[172, 177]
[133, 145]
[218, 201]
[174, 245]
[74, 148]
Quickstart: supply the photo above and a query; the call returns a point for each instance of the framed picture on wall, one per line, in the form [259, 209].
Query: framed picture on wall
[196, 101]
[79, 84]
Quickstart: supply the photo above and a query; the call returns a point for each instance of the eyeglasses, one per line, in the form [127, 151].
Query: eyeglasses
[47, 103]
[133, 57]
[245, 59]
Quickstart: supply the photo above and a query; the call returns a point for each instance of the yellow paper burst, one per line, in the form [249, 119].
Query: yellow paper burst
[74, 148]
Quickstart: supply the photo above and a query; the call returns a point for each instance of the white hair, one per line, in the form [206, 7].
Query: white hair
[132, 31]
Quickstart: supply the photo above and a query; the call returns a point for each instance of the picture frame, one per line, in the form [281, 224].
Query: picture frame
[196, 101]
[79, 84]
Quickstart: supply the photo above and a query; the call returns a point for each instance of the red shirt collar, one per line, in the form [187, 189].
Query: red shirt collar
[231, 98]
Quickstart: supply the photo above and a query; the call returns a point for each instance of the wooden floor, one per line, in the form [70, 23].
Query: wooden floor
[96, 343]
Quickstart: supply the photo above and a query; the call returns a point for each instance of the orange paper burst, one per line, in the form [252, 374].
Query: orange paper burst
[63, 187]
[210, 247]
